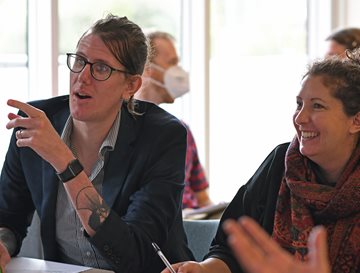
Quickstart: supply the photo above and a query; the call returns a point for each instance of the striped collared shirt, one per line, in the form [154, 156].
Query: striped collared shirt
[73, 245]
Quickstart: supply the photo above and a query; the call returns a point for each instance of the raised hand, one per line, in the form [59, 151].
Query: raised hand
[38, 134]
[258, 253]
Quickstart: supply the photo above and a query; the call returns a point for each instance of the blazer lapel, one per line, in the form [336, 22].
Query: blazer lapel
[117, 166]
[51, 183]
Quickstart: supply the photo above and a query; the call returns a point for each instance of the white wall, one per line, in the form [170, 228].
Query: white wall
[352, 17]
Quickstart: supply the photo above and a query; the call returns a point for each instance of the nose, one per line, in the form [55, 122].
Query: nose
[301, 116]
[85, 74]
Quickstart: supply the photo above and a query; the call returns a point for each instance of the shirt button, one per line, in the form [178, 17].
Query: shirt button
[88, 253]
[82, 229]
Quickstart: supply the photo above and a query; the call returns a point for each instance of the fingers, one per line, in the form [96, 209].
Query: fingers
[259, 235]
[248, 254]
[253, 247]
[255, 250]
[175, 266]
[36, 132]
[188, 267]
[33, 115]
[4, 257]
[28, 109]
[19, 134]
[318, 250]
[23, 137]
[249, 232]
[12, 116]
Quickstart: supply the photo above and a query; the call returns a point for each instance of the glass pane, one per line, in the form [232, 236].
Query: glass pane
[13, 26]
[258, 56]
[13, 61]
[148, 14]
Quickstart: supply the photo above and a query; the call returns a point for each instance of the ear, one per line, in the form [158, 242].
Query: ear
[355, 128]
[147, 70]
[133, 85]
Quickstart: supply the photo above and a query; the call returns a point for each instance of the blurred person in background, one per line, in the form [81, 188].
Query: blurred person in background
[341, 40]
[164, 80]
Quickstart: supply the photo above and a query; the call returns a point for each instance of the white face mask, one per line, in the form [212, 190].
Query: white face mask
[176, 80]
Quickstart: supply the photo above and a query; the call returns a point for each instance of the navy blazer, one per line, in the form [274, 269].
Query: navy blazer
[143, 184]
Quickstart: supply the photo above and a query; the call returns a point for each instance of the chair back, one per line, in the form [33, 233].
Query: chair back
[200, 234]
[31, 246]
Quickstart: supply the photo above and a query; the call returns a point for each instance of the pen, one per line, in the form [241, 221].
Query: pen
[163, 258]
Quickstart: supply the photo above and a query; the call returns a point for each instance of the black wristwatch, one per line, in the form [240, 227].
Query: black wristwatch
[71, 171]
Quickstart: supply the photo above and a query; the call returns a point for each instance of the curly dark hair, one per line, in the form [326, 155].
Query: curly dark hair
[342, 76]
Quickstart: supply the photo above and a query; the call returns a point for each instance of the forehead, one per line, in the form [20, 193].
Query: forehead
[93, 47]
[314, 87]
[334, 48]
[164, 48]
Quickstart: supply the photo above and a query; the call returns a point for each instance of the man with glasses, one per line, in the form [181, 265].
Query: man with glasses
[104, 173]
[164, 81]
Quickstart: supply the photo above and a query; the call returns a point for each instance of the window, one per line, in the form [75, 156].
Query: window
[73, 22]
[245, 57]
[37, 34]
[13, 61]
[257, 59]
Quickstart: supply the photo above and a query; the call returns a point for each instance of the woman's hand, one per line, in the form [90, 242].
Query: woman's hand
[4, 257]
[258, 253]
[210, 265]
[185, 267]
[38, 134]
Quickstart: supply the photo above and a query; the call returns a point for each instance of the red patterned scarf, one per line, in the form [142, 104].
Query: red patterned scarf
[304, 203]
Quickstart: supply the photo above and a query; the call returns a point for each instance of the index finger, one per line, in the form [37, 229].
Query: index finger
[175, 267]
[318, 250]
[28, 109]
[259, 235]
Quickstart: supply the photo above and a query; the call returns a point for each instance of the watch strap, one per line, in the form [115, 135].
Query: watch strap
[71, 171]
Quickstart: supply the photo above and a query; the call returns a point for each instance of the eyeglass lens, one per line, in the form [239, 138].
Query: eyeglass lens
[99, 71]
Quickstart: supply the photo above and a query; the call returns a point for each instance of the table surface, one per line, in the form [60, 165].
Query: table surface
[30, 265]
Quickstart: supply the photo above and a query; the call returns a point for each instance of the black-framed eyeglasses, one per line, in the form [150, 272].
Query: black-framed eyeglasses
[99, 71]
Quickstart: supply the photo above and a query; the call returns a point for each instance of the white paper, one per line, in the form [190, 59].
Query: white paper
[29, 265]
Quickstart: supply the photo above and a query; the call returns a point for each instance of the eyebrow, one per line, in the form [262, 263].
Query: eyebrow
[312, 99]
[95, 60]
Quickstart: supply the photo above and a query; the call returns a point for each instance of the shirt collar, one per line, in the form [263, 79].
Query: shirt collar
[108, 143]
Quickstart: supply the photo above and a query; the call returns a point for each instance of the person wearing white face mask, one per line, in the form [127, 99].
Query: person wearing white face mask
[164, 80]
[176, 80]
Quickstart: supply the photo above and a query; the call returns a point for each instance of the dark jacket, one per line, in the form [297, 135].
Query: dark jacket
[143, 183]
[257, 199]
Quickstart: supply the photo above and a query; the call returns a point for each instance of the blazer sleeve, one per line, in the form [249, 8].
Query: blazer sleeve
[21, 181]
[257, 199]
[14, 214]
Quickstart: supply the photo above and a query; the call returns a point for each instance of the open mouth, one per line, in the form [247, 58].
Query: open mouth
[82, 96]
